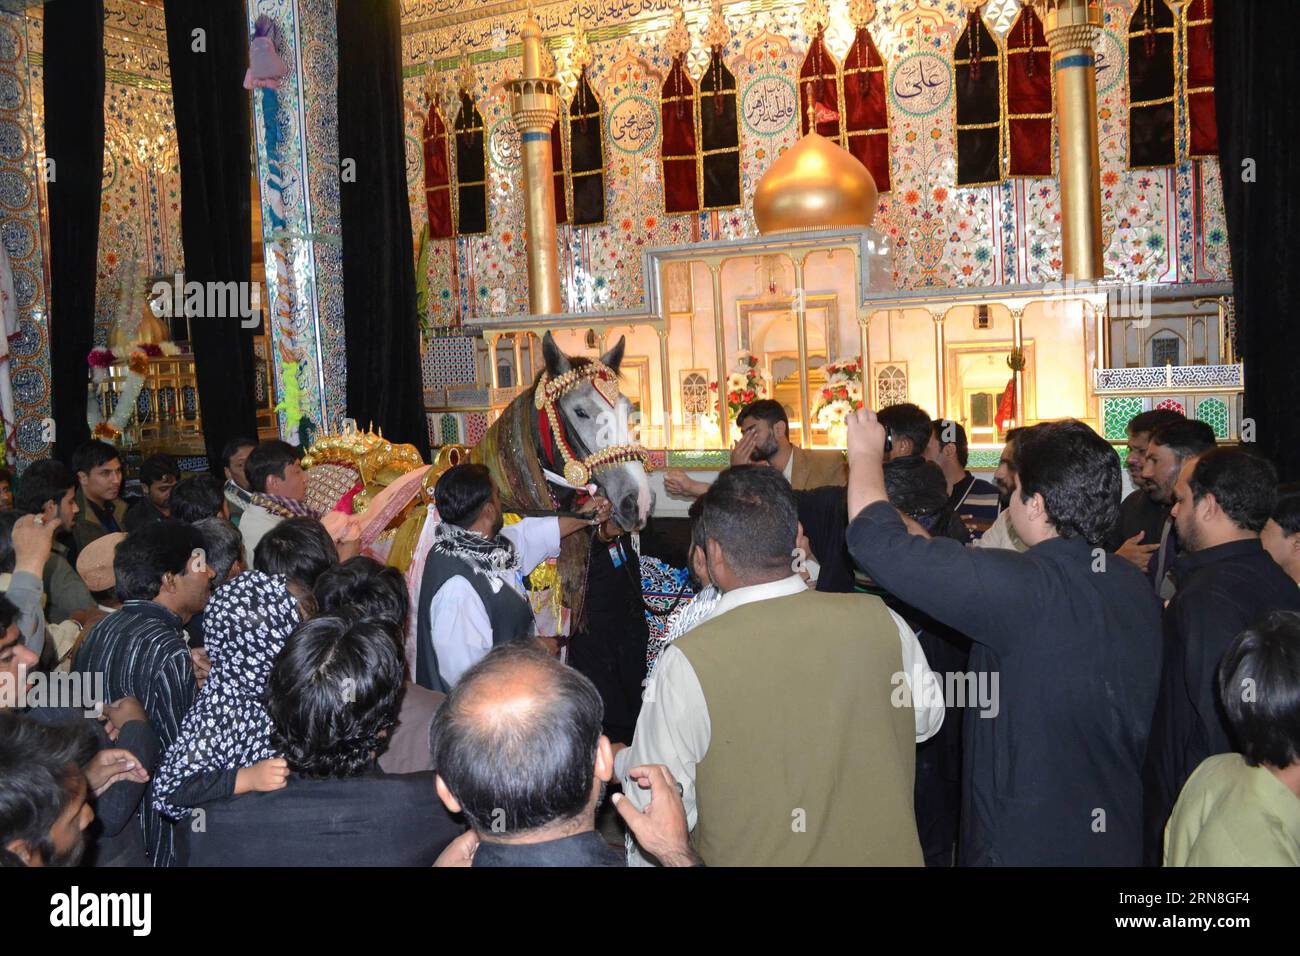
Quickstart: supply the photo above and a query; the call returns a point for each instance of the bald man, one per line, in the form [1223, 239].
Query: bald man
[519, 750]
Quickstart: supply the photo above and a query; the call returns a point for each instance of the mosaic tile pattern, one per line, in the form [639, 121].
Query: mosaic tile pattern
[1164, 225]
[475, 427]
[299, 275]
[1116, 413]
[20, 146]
[448, 360]
[1214, 412]
[1173, 404]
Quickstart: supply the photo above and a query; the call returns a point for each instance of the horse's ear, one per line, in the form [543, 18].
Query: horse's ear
[557, 363]
[614, 357]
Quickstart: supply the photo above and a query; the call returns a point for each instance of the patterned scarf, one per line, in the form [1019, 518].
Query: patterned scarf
[283, 507]
[237, 496]
[496, 559]
[245, 627]
[682, 620]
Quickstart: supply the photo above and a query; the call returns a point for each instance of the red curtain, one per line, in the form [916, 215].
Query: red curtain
[437, 175]
[680, 145]
[1199, 64]
[819, 84]
[866, 115]
[1029, 97]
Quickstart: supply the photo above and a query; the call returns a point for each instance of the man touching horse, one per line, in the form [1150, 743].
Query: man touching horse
[472, 594]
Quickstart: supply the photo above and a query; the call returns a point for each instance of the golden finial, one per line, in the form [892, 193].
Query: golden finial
[716, 33]
[677, 40]
[466, 73]
[580, 52]
[861, 12]
[815, 17]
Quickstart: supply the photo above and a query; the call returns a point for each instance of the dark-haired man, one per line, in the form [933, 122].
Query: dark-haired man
[159, 475]
[47, 489]
[1001, 534]
[1171, 446]
[765, 440]
[472, 593]
[1281, 535]
[333, 698]
[783, 715]
[44, 798]
[197, 498]
[1226, 582]
[1053, 768]
[279, 487]
[1136, 535]
[909, 428]
[1243, 809]
[234, 458]
[519, 751]
[141, 649]
[100, 509]
[975, 501]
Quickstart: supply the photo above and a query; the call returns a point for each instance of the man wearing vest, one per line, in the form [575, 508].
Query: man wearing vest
[472, 593]
[785, 716]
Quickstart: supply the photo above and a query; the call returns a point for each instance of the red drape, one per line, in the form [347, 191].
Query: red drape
[680, 144]
[819, 82]
[437, 175]
[866, 114]
[1199, 64]
[1029, 97]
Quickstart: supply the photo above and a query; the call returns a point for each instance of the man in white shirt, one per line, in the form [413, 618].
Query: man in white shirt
[679, 717]
[279, 485]
[472, 592]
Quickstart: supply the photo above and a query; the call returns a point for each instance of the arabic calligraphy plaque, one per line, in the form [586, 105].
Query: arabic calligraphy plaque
[922, 84]
[505, 145]
[1110, 61]
[770, 104]
[633, 124]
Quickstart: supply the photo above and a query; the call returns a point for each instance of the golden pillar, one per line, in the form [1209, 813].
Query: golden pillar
[1072, 26]
[534, 105]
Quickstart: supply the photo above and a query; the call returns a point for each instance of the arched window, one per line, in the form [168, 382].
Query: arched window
[695, 395]
[891, 385]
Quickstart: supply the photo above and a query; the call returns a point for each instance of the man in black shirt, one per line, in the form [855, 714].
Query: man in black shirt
[1170, 447]
[1052, 771]
[1226, 582]
[1136, 535]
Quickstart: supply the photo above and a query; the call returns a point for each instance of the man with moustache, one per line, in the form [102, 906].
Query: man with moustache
[1226, 582]
[1001, 533]
[1136, 535]
[1170, 448]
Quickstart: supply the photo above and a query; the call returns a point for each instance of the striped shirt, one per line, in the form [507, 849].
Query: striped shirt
[142, 652]
[977, 503]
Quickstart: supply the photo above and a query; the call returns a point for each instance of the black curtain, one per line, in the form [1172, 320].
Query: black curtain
[74, 142]
[212, 131]
[1259, 127]
[383, 339]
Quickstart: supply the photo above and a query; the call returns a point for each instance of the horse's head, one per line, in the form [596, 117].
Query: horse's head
[594, 419]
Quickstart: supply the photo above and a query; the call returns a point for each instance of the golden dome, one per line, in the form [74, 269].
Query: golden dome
[814, 185]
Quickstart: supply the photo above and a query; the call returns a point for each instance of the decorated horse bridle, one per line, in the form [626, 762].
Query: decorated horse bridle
[579, 471]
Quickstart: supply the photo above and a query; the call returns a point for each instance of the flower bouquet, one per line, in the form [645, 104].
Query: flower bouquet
[746, 383]
[841, 395]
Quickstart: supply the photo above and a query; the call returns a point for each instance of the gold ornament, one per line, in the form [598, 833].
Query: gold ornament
[549, 390]
[815, 17]
[717, 33]
[580, 52]
[466, 76]
[861, 12]
[677, 40]
[814, 185]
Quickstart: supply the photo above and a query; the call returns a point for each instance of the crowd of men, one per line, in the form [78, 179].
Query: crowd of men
[882, 659]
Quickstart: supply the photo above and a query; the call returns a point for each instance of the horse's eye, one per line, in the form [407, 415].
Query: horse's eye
[581, 413]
